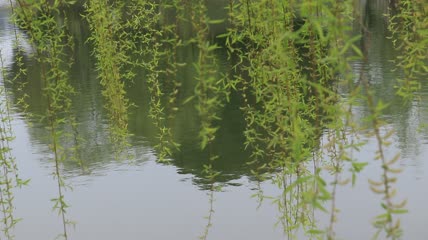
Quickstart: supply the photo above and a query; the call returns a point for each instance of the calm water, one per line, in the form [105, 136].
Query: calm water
[147, 200]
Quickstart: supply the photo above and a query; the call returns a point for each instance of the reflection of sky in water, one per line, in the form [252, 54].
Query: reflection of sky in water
[123, 201]
[7, 37]
[144, 200]
[4, 3]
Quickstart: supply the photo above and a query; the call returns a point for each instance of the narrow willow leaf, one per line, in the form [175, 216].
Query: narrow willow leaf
[376, 190]
[375, 183]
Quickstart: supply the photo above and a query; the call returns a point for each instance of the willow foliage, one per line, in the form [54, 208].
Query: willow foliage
[51, 41]
[288, 61]
[408, 27]
[109, 49]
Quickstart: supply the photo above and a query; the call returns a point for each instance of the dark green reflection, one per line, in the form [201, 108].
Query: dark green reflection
[91, 132]
[91, 136]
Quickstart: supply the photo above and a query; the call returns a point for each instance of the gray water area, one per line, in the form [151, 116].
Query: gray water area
[143, 199]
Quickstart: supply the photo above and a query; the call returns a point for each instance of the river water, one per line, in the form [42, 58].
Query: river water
[143, 199]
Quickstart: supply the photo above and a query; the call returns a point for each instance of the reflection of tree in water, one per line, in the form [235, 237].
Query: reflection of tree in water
[90, 134]
[186, 124]
[228, 145]
[288, 134]
[380, 70]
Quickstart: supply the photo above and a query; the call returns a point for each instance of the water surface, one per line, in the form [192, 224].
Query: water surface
[143, 199]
